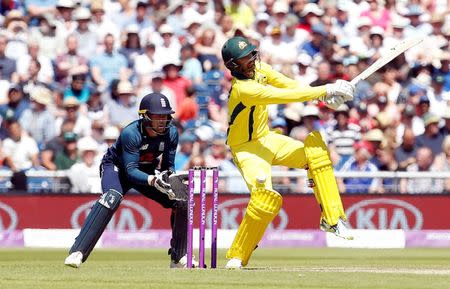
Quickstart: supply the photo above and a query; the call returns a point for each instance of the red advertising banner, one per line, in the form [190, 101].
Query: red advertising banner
[136, 213]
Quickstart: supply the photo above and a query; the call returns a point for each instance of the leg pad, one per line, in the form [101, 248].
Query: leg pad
[95, 223]
[264, 205]
[322, 179]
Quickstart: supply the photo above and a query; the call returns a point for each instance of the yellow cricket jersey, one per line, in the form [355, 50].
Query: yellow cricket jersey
[248, 100]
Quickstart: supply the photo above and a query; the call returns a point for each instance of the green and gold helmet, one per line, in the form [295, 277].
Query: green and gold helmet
[235, 48]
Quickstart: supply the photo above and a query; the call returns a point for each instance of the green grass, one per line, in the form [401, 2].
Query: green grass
[269, 268]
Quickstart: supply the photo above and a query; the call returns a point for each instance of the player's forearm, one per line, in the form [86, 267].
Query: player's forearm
[136, 176]
[274, 95]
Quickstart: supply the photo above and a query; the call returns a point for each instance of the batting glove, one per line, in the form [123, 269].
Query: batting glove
[341, 88]
[160, 181]
[333, 101]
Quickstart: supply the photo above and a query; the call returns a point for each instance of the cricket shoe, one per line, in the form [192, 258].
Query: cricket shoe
[340, 229]
[234, 263]
[183, 263]
[74, 260]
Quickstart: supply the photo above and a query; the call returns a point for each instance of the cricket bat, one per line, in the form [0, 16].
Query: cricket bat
[388, 57]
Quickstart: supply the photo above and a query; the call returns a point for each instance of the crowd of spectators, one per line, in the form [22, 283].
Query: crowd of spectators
[73, 73]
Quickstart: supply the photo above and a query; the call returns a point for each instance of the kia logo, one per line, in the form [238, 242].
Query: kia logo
[130, 216]
[8, 218]
[385, 214]
[231, 213]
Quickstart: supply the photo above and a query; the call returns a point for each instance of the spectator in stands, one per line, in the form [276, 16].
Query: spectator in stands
[70, 62]
[168, 51]
[21, 153]
[241, 13]
[68, 156]
[78, 88]
[30, 82]
[38, 7]
[388, 163]
[123, 110]
[310, 117]
[45, 73]
[174, 81]
[45, 35]
[442, 161]
[64, 24]
[192, 67]
[55, 146]
[207, 48]
[108, 65]
[431, 137]
[186, 148]
[424, 163]
[17, 31]
[157, 85]
[188, 108]
[445, 130]
[306, 73]
[409, 120]
[83, 175]
[95, 106]
[144, 64]
[102, 25]
[72, 112]
[7, 65]
[83, 33]
[436, 95]
[323, 74]
[360, 162]
[131, 47]
[37, 120]
[378, 14]
[110, 135]
[405, 154]
[14, 108]
[344, 135]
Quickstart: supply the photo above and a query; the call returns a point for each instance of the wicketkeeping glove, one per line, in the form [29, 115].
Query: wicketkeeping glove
[160, 181]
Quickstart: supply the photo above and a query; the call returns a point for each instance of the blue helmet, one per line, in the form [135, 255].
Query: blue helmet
[155, 104]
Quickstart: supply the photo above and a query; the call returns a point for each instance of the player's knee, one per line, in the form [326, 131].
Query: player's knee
[316, 151]
[264, 203]
[111, 199]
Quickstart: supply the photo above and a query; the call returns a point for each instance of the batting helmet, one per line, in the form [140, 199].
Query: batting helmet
[155, 103]
[235, 48]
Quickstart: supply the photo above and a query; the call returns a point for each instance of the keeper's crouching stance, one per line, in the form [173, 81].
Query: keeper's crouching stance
[255, 148]
[131, 163]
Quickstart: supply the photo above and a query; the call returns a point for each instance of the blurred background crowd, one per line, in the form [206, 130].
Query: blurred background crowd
[73, 73]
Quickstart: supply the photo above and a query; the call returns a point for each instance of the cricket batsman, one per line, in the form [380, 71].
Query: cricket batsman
[255, 148]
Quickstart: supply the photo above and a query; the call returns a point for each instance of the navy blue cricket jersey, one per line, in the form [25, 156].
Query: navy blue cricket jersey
[138, 155]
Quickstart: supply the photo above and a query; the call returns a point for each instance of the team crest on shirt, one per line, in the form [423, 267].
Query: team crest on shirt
[161, 146]
[242, 45]
[262, 79]
[144, 147]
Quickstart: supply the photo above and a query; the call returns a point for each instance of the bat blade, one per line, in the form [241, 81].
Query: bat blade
[388, 57]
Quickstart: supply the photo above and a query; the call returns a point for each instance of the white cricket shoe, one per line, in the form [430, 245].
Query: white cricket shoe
[183, 263]
[234, 263]
[340, 229]
[74, 260]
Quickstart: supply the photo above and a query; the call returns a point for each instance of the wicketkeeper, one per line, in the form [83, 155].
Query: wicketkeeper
[132, 162]
[255, 148]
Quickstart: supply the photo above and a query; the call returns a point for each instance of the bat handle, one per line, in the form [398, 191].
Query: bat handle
[355, 80]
